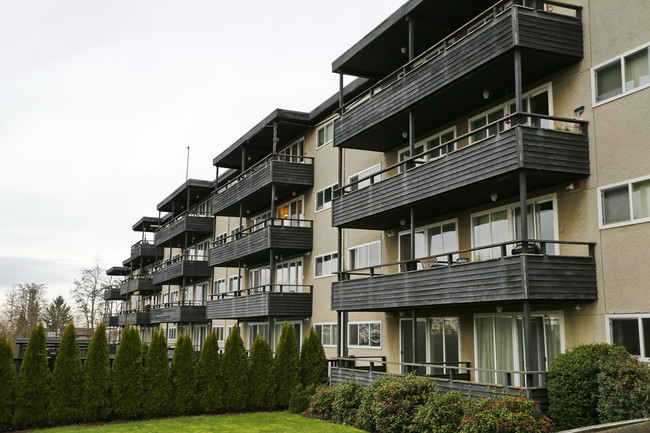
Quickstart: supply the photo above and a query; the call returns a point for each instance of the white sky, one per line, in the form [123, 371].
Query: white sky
[99, 100]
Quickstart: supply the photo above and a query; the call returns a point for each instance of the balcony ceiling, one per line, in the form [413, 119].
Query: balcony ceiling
[176, 202]
[147, 224]
[118, 271]
[379, 53]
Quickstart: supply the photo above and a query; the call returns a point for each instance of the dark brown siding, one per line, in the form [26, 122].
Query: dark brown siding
[198, 227]
[111, 320]
[138, 318]
[174, 273]
[137, 285]
[261, 305]
[178, 314]
[112, 294]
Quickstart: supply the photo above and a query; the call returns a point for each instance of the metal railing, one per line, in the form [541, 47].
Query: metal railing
[494, 129]
[271, 222]
[296, 159]
[462, 257]
[459, 34]
[266, 288]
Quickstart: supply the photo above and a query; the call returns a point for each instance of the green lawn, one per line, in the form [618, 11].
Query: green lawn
[271, 422]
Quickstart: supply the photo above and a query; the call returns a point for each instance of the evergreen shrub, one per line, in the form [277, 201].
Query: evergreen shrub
[127, 376]
[7, 383]
[233, 373]
[184, 376]
[261, 376]
[287, 366]
[208, 376]
[321, 403]
[34, 383]
[299, 400]
[347, 399]
[441, 413]
[506, 414]
[313, 362]
[67, 381]
[95, 401]
[157, 387]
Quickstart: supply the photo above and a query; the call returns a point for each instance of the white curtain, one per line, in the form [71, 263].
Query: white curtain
[637, 70]
[641, 199]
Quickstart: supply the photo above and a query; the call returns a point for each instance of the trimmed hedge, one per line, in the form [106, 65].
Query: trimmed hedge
[208, 376]
[184, 376]
[34, 382]
[287, 366]
[67, 381]
[96, 395]
[233, 372]
[313, 362]
[157, 386]
[441, 413]
[505, 414]
[127, 376]
[261, 376]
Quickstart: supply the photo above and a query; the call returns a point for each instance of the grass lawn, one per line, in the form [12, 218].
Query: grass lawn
[271, 422]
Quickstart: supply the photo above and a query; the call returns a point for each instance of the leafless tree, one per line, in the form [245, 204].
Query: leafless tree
[22, 309]
[88, 294]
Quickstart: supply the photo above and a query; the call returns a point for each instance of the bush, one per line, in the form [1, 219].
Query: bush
[441, 413]
[233, 372]
[208, 376]
[33, 386]
[95, 401]
[365, 419]
[313, 362]
[573, 385]
[184, 376]
[347, 399]
[127, 376]
[299, 399]
[261, 376]
[67, 381]
[287, 366]
[157, 386]
[397, 399]
[7, 383]
[321, 403]
[623, 388]
[505, 414]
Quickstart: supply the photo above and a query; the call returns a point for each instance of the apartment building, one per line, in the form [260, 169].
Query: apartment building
[390, 217]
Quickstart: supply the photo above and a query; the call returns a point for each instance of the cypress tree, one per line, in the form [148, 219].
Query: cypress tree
[313, 362]
[67, 381]
[127, 376]
[95, 400]
[7, 383]
[233, 373]
[287, 366]
[33, 389]
[157, 379]
[184, 376]
[261, 376]
[208, 376]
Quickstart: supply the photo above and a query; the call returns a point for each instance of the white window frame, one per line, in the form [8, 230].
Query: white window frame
[171, 333]
[221, 238]
[427, 320]
[425, 143]
[608, 332]
[426, 239]
[323, 256]
[326, 205]
[366, 173]
[300, 278]
[369, 323]
[277, 325]
[230, 281]
[331, 325]
[215, 287]
[621, 60]
[356, 247]
[288, 203]
[220, 330]
[294, 157]
[605, 188]
[329, 124]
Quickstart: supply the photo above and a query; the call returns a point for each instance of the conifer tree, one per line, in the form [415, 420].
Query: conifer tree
[313, 362]
[33, 389]
[208, 377]
[287, 365]
[7, 383]
[127, 376]
[184, 376]
[233, 373]
[67, 381]
[95, 401]
[157, 379]
[261, 376]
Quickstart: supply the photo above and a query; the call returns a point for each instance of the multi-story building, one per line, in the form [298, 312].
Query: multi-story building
[390, 217]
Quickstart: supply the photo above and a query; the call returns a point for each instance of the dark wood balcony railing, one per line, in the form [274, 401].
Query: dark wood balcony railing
[172, 271]
[139, 283]
[291, 173]
[515, 142]
[196, 226]
[252, 245]
[553, 30]
[494, 273]
[280, 300]
[178, 312]
[135, 317]
[113, 293]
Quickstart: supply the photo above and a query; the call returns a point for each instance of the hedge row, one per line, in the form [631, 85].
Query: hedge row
[143, 384]
[412, 404]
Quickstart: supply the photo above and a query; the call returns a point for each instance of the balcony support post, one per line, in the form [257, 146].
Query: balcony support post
[523, 235]
[341, 86]
[411, 38]
[519, 101]
[412, 222]
[275, 137]
[271, 326]
[411, 135]
[414, 337]
[271, 270]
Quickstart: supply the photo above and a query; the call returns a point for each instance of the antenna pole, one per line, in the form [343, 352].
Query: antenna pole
[187, 167]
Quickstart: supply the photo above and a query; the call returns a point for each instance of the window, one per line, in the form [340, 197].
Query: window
[433, 142]
[623, 75]
[236, 232]
[364, 334]
[297, 330]
[364, 256]
[219, 332]
[625, 203]
[364, 174]
[328, 333]
[429, 241]
[438, 342]
[325, 135]
[202, 209]
[255, 329]
[220, 239]
[326, 265]
[259, 277]
[325, 196]
[632, 332]
[288, 276]
[294, 152]
[171, 333]
[219, 287]
[257, 222]
[482, 120]
[234, 283]
[198, 336]
[292, 210]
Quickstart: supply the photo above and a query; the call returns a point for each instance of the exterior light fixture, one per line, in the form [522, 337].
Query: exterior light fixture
[403, 50]
[405, 134]
[494, 196]
[402, 221]
[486, 94]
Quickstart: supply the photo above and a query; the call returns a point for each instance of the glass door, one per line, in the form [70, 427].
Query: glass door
[288, 276]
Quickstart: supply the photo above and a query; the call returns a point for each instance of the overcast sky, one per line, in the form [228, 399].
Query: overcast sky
[100, 99]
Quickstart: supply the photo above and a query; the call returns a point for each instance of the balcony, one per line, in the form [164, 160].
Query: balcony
[178, 312]
[179, 269]
[466, 177]
[113, 294]
[109, 320]
[195, 227]
[252, 188]
[135, 317]
[262, 302]
[449, 78]
[136, 284]
[143, 253]
[253, 245]
[446, 280]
